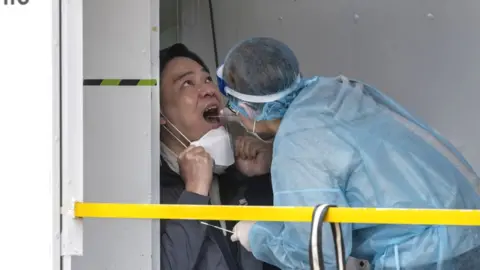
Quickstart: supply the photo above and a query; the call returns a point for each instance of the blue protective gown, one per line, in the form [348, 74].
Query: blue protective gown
[350, 145]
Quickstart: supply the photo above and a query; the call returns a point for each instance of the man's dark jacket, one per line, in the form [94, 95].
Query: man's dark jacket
[190, 245]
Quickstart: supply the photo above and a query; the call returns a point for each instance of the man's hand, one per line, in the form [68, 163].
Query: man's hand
[253, 157]
[196, 167]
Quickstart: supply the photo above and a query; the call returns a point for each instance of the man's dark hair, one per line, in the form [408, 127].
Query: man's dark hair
[178, 50]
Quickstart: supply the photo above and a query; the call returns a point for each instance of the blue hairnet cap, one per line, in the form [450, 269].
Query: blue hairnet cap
[260, 66]
[262, 73]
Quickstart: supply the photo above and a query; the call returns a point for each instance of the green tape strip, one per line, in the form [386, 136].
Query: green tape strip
[110, 82]
[147, 82]
[119, 82]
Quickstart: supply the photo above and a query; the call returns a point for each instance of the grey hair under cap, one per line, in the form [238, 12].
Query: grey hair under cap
[260, 66]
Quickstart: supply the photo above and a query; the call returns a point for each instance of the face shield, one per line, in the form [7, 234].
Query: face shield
[253, 107]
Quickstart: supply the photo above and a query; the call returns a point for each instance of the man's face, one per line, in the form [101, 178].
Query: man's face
[187, 97]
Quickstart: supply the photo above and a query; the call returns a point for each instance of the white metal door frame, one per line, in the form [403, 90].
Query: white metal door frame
[56, 144]
[72, 127]
[69, 128]
[155, 127]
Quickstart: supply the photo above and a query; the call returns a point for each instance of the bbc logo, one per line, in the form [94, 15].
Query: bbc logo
[14, 2]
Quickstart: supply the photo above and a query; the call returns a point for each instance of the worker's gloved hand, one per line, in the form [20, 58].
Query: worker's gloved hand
[240, 233]
[252, 156]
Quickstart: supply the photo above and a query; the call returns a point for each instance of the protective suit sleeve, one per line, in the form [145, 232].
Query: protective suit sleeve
[304, 174]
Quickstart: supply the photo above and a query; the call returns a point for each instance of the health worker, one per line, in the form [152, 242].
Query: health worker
[341, 142]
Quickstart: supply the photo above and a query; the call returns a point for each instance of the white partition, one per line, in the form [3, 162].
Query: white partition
[121, 132]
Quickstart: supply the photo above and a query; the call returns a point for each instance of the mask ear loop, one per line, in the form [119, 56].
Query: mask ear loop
[252, 132]
[258, 136]
[179, 132]
[173, 135]
[185, 137]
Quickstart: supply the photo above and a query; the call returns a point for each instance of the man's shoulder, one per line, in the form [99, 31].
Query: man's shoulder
[171, 185]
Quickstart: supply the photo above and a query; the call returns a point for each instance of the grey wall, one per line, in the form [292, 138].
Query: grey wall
[169, 16]
[195, 28]
[422, 53]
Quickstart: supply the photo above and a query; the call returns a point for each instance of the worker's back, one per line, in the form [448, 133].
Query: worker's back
[379, 156]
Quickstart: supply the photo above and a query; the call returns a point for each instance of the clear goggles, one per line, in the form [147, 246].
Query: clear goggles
[249, 106]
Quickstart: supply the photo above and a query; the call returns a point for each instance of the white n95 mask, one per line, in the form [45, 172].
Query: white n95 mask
[217, 142]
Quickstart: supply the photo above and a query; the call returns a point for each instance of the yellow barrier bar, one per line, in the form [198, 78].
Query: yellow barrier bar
[270, 213]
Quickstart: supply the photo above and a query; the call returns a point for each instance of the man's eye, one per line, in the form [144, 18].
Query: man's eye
[187, 83]
[209, 80]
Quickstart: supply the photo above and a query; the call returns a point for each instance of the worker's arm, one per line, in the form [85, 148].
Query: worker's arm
[182, 240]
[303, 175]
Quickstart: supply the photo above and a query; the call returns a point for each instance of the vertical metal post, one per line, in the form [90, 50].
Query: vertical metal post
[155, 126]
[72, 127]
[56, 170]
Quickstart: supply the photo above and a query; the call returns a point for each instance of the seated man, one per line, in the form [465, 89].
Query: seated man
[189, 176]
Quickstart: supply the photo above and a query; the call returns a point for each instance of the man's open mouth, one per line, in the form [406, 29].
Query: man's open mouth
[210, 114]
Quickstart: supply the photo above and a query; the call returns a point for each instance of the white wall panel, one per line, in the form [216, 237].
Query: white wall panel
[117, 38]
[121, 149]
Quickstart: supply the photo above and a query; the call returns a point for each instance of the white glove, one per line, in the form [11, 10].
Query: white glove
[240, 233]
